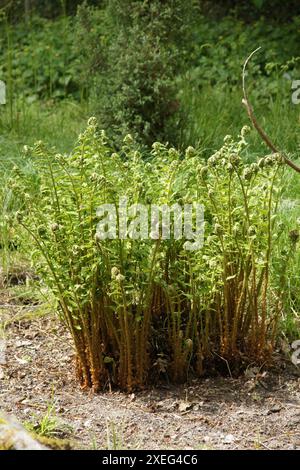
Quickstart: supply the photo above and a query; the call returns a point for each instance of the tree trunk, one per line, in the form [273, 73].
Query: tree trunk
[27, 8]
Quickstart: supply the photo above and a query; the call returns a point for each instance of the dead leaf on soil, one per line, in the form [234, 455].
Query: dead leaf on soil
[184, 406]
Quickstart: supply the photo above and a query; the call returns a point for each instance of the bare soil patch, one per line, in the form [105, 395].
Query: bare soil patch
[260, 410]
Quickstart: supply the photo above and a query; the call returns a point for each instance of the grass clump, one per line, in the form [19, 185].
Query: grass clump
[142, 307]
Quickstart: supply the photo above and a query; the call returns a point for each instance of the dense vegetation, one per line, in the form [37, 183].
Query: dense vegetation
[169, 72]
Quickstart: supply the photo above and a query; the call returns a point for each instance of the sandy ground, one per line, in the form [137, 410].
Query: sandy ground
[260, 410]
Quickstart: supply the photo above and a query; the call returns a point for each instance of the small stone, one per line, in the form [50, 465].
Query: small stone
[184, 406]
[274, 409]
[229, 439]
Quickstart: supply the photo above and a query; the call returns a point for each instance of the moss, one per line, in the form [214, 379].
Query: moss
[52, 443]
[5, 446]
[6, 443]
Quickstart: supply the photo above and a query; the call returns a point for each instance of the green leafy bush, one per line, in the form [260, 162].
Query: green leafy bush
[220, 47]
[131, 51]
[141, 308]
[210, 91]
[37, 60]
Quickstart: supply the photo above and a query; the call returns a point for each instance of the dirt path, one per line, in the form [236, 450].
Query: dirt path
[258, 411]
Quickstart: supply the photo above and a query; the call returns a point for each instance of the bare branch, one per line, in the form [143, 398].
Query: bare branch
[255, 123]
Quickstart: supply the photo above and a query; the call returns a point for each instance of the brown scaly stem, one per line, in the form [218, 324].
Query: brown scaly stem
[255, 123]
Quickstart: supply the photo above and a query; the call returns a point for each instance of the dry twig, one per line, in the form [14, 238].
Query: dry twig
[255, 123]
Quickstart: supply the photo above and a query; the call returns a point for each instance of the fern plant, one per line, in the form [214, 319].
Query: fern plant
[142, 308]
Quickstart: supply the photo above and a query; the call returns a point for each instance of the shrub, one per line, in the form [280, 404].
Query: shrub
[219, 49]
[212, 85]
[37, 59]
[139, 308]
[131, 51]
